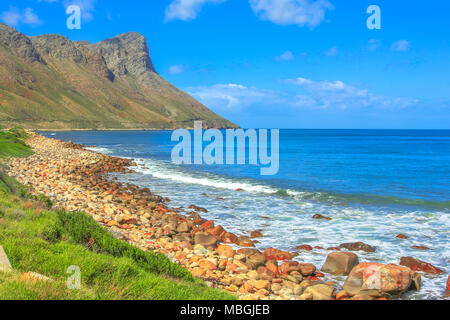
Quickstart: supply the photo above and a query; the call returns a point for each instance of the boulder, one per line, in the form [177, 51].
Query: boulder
[183, 227]
[248, 251]
[207, 225]
[358, 246]
[246, 243]
[197, 209]
[265, 274]
[206, 240]
[262, 284]
[320, 292]
[229, 237]
[376, 279]
[288, 267]
[275, 254]
[420, 247]
[225, 251]
[306, 269]
[305, 247]
[418, 265]
[340, 263]
[217, 231]
[198, 272]
[256, 234]
[207, 265]
[320, 217]
[402, 236]
[272, 266]
[255, 260]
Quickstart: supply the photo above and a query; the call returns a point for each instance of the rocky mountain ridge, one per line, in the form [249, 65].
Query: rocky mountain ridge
[51, 82]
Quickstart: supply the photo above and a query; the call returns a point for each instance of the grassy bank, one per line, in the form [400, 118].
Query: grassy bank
[37, 239]
[12, 145]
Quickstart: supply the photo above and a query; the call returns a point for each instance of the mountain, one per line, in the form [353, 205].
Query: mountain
[51, 82]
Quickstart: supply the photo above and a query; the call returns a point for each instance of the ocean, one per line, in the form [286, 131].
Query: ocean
[374, 184]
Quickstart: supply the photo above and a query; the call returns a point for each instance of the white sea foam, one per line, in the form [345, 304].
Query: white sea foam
[159, 170]
[100, 150]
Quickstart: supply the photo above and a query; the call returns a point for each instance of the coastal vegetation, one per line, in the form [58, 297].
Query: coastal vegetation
[40, 240]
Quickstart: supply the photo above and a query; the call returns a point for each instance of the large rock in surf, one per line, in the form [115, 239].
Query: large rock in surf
[376, 279]
[358, 246]
[419, 265]
[340, 263]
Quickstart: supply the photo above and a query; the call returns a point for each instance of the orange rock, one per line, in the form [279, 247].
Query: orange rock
[265, 274]
[262, 284]
[272, 267]
[418, 265]
[256, 234]
[198, 272]
[180, 257]
[246, 243]
[420, 247]
[206, 264]
[288, 267]
[380, 279]
[229, 238]
[341, 295]
[305, 247]
[402, 236]
[307, 269]
[231, 267]
[248, 287]
[112, 223]
[208, 224]
[275, 254]
[161, 209]
[217, 231]
[225, 250]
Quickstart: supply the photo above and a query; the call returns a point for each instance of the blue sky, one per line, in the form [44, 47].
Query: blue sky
[281, 63]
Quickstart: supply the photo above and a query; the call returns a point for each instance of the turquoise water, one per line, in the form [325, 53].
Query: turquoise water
[374, 184]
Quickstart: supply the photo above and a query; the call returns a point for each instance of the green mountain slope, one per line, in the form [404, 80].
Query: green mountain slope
[50, 82]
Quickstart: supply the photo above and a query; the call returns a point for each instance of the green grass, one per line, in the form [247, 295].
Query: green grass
[37, 239]
[11, 145]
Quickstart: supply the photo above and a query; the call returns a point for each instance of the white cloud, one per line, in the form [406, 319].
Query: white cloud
[292, 12]
[87, 8]
[332, 52]
[176, 69]
[29, 17]
[287, 56]
[14, 17]
[337, 94]
[373, 44]
[307, 94]
[186, 9]
[401, 45]
[231, 96]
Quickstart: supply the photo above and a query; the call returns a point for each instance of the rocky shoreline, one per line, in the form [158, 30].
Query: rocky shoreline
[77, 179]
